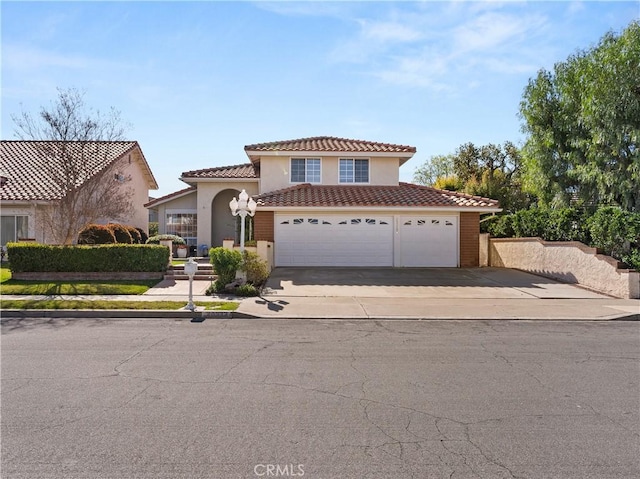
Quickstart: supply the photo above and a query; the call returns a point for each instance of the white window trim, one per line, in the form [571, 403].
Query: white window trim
[306, 158]
[354, 182]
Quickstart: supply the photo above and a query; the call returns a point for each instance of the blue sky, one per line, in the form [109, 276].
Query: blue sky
[199, 80]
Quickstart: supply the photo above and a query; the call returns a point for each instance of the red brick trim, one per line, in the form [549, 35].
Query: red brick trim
[263, 226]
[469, 239]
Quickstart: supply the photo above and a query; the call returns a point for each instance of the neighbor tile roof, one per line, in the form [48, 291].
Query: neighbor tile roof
[405, 194]
[27, 165]
[330, 143]
[246, 170]
[175, 194]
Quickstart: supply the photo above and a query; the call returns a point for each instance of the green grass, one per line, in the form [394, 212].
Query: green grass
[5, 274]
[12, 286]
[97, 305]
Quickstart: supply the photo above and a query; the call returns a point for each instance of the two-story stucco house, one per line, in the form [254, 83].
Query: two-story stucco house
[328, 201]
[28, 190]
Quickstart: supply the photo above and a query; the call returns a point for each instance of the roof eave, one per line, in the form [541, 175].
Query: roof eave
[152, 184]
[191, 180]
[408, 208]
[159, 201]
[256, 155]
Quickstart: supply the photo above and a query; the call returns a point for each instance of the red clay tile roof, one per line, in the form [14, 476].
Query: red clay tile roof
[25, 163]
[330, 143]
[405, 194]
[175, 194]
[246, 170]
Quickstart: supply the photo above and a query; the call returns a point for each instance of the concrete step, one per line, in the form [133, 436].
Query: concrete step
[184, 277]
[201, 267]
[205, 271]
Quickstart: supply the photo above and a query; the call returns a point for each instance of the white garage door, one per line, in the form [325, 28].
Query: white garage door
[332, 240]
[428, 241]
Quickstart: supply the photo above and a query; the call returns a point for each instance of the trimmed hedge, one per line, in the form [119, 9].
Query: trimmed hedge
[33, 257]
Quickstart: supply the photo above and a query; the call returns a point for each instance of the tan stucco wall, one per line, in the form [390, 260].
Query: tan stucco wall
[571, 262]
[275, 171]
[206, 194]
[139, 187]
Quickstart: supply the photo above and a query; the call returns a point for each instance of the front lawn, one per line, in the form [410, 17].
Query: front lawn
[12, 286]
[5, 274]
[96, 305]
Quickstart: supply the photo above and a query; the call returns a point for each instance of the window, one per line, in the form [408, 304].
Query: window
[305, 170]
[13, 228]
[354, 171]
[184, 225]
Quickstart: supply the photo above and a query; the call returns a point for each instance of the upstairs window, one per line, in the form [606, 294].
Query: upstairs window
[305, 170]
[354, 171]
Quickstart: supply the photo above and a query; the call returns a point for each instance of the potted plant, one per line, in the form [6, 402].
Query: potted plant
[181, 250]
[167, 240]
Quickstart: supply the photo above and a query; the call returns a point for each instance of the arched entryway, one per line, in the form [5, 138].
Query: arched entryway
[223, 223]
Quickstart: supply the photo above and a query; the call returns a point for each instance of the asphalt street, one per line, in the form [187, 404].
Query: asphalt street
[319, 399]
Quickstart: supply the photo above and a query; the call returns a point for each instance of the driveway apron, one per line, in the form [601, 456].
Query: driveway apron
[428, 293]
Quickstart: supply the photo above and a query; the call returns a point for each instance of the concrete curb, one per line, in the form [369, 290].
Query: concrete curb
[203, 315]
[118, 313]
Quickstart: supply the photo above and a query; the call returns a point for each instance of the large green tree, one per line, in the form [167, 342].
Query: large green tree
[492, 171]
[583, 126]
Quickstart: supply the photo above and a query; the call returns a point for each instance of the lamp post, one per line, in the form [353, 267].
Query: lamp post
[243, 206]
[190, 268]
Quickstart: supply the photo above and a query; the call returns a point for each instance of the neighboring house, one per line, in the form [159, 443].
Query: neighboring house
[328, 201]
[28, 189]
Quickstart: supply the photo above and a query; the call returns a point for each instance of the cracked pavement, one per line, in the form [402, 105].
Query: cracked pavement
[355, 399]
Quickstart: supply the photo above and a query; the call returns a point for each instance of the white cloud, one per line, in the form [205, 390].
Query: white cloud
[21, 58]
[490, 31]
[432, 46]
[389, 31]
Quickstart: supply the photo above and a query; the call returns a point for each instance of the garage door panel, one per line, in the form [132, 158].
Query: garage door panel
[429, 241]
[328, 240]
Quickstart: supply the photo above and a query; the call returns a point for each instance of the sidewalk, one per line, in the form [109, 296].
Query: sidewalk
[432, 306]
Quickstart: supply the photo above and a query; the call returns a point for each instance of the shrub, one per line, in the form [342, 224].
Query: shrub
[247, 290]
[33, 257]
[616, 231]
[135, 234]
[164, 237]
[632, 259]
[256, 268]
[96, 234]
[153, 228]
[225, 263]
[565, 224]
[121, 233]
[143, 235]
[498, 226]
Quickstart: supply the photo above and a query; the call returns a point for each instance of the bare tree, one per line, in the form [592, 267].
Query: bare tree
[78, 151]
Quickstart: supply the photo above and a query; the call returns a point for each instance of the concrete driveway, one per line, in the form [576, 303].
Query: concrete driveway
[418, 282]
[428, 293]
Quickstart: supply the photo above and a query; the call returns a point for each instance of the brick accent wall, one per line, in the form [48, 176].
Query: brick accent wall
[469, 240]
[263, 226]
